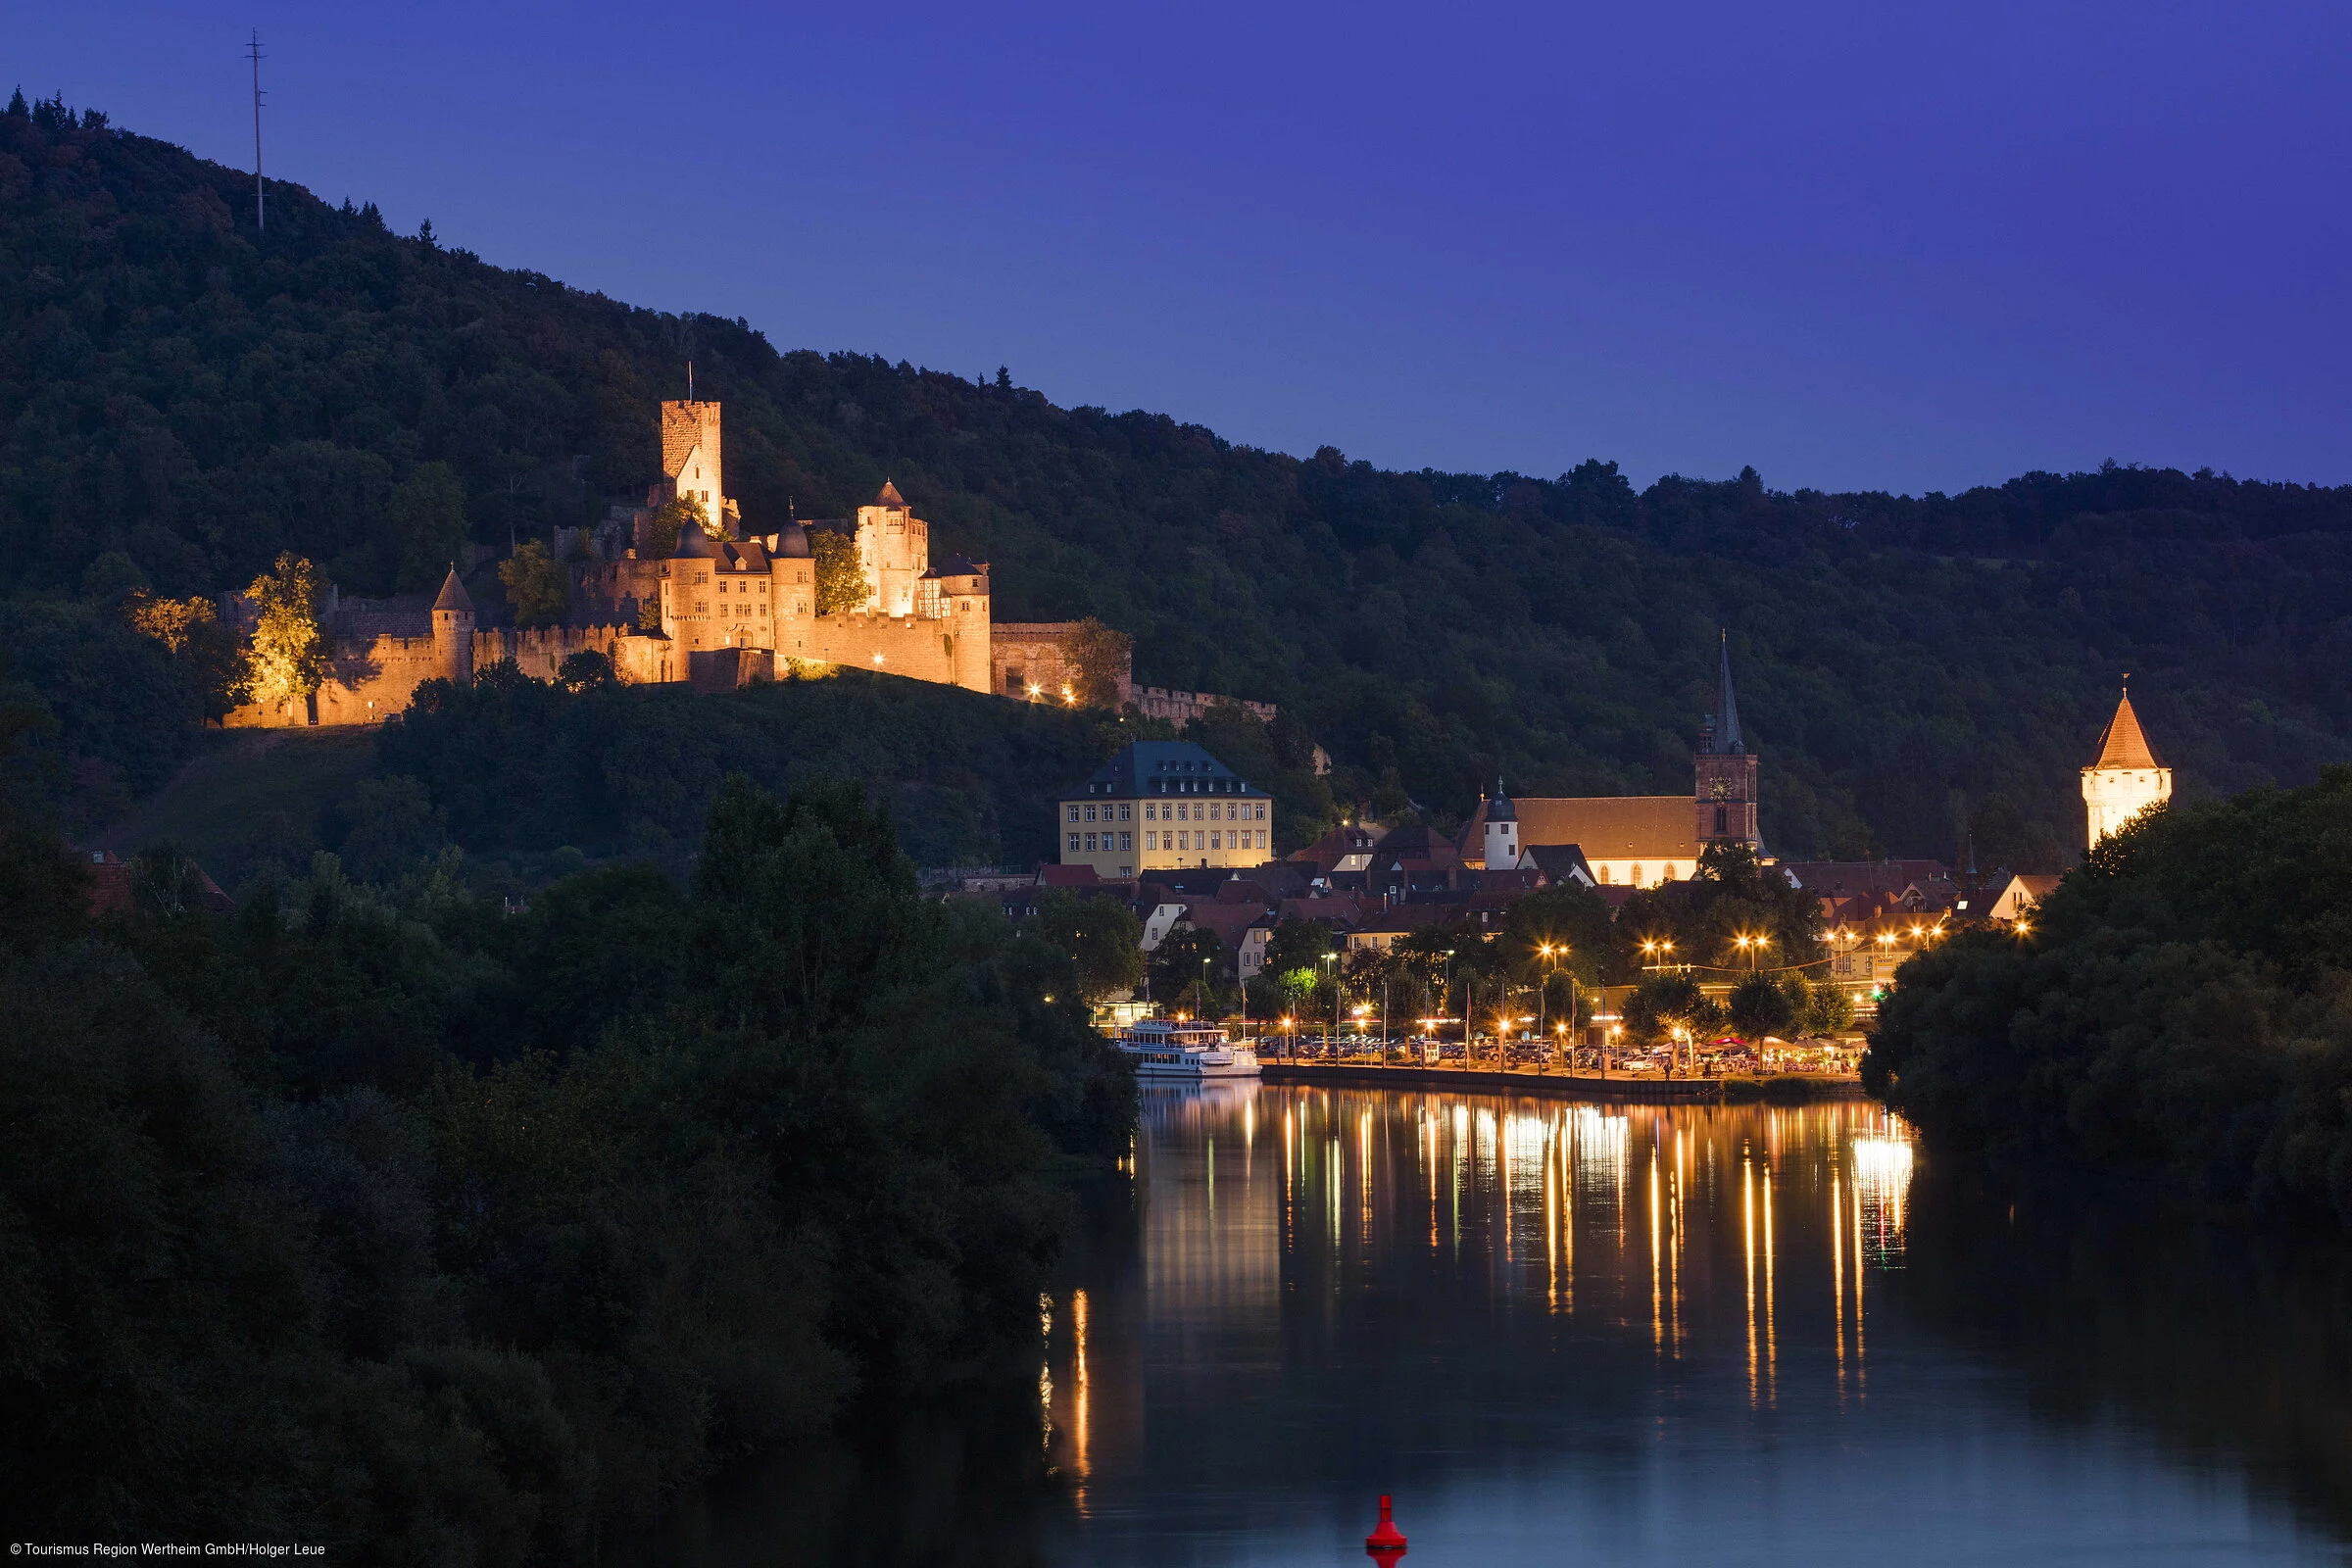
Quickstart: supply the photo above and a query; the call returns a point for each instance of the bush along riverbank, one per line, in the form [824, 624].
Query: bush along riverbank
[2179, 1010]
[430, 1231]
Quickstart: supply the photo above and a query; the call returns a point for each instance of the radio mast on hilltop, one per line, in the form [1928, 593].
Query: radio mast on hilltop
[261, 210]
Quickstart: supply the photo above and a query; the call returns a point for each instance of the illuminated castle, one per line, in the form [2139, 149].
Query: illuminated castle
[720, 606]
[2124, 778]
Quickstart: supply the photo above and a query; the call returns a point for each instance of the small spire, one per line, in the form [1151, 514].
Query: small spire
[1727, 742]
[452, 593]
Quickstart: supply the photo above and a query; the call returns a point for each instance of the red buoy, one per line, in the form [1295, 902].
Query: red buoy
[1385, 1544]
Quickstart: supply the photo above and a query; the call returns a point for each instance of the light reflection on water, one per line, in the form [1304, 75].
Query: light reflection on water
[1566, 1333]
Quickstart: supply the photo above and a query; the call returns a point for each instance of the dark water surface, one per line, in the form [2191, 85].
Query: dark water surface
[1576, 1333]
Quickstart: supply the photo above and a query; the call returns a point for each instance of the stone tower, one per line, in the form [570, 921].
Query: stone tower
[1725, 768]
[1502, 831]
[453, 632]
[2125, 777]
[894, 551]
[690, 458]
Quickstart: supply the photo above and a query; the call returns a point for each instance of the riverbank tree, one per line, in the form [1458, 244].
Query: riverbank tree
[396, 1222]
[2180, 1012]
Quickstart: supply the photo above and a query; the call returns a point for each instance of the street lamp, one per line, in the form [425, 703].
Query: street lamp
[1332, 961]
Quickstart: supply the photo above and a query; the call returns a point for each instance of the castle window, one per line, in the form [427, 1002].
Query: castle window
[1090, 814]
[1090, 843]
[1216, 841]
[701, 608]
[1151, 840]
[1126, 812]
[1637, 873]
[1073, 814]
[1073, 843]
[1723, 819]
[1126, 840]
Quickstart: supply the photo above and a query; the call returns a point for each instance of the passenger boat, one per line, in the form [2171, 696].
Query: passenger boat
[1165, 1048]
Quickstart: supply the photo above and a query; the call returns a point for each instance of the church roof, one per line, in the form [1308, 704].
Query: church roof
[1608, 827]
[454, 595]
[890, 497]
[2124, 743]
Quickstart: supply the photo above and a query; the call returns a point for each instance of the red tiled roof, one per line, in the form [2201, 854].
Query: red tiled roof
[2124, 743]
[1609, 827]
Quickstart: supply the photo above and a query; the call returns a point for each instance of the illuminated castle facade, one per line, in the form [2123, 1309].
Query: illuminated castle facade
[721, 607]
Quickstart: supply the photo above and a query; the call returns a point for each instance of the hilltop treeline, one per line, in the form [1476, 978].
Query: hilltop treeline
[2179, 1012]
[391, 1222]
[185, 397]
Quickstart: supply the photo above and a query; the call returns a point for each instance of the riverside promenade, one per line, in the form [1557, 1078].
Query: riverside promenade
[1633, 1088]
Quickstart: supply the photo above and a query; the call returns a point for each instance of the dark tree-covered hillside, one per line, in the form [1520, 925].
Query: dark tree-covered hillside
[195, 396]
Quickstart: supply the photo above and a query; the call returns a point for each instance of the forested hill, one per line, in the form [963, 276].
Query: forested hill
[196, 396]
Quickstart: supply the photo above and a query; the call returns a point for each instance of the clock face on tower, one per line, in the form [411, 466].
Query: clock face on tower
[1721, 789]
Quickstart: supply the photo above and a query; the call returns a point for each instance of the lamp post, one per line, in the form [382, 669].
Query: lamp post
[1331, 961]
[1544, 996]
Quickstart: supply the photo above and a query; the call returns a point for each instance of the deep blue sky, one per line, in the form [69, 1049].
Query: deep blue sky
[1855, 244]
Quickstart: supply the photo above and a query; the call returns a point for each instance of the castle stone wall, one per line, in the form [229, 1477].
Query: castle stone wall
[373, 678]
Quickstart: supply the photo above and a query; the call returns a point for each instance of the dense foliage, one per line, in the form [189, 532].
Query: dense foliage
[433, 1233]
[2179, 1010]
[197, 396]
[519, 765]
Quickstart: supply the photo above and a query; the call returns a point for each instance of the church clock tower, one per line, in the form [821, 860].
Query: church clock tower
[1725, 769]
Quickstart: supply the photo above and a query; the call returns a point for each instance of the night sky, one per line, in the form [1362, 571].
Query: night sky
[1852, 244]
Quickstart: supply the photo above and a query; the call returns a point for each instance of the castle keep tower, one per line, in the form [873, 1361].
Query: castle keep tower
[2125, 779]
[894, 551]
[1725, 769]
[691, 458]
[453, 632]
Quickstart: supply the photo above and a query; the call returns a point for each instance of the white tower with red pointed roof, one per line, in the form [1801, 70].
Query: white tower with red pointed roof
[2125, 777]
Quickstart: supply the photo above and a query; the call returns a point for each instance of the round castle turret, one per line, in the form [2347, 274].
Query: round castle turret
[453, 632]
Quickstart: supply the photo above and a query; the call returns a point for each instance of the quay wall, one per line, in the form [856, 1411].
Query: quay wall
[1567, 1086]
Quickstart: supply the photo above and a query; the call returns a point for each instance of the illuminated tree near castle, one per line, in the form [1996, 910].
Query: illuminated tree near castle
[536, 586]
[840, 581]
[1099, 655]
[191, 629]
[671, 519]
[288, 660]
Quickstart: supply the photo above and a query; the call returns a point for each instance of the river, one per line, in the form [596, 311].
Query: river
[1573, 1334]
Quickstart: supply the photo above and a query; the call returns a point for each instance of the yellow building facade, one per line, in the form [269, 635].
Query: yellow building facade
[1164, 805]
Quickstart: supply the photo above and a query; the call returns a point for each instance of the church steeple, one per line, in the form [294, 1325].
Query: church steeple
[1502, 831]
[1725, 768]
[1725, 741]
